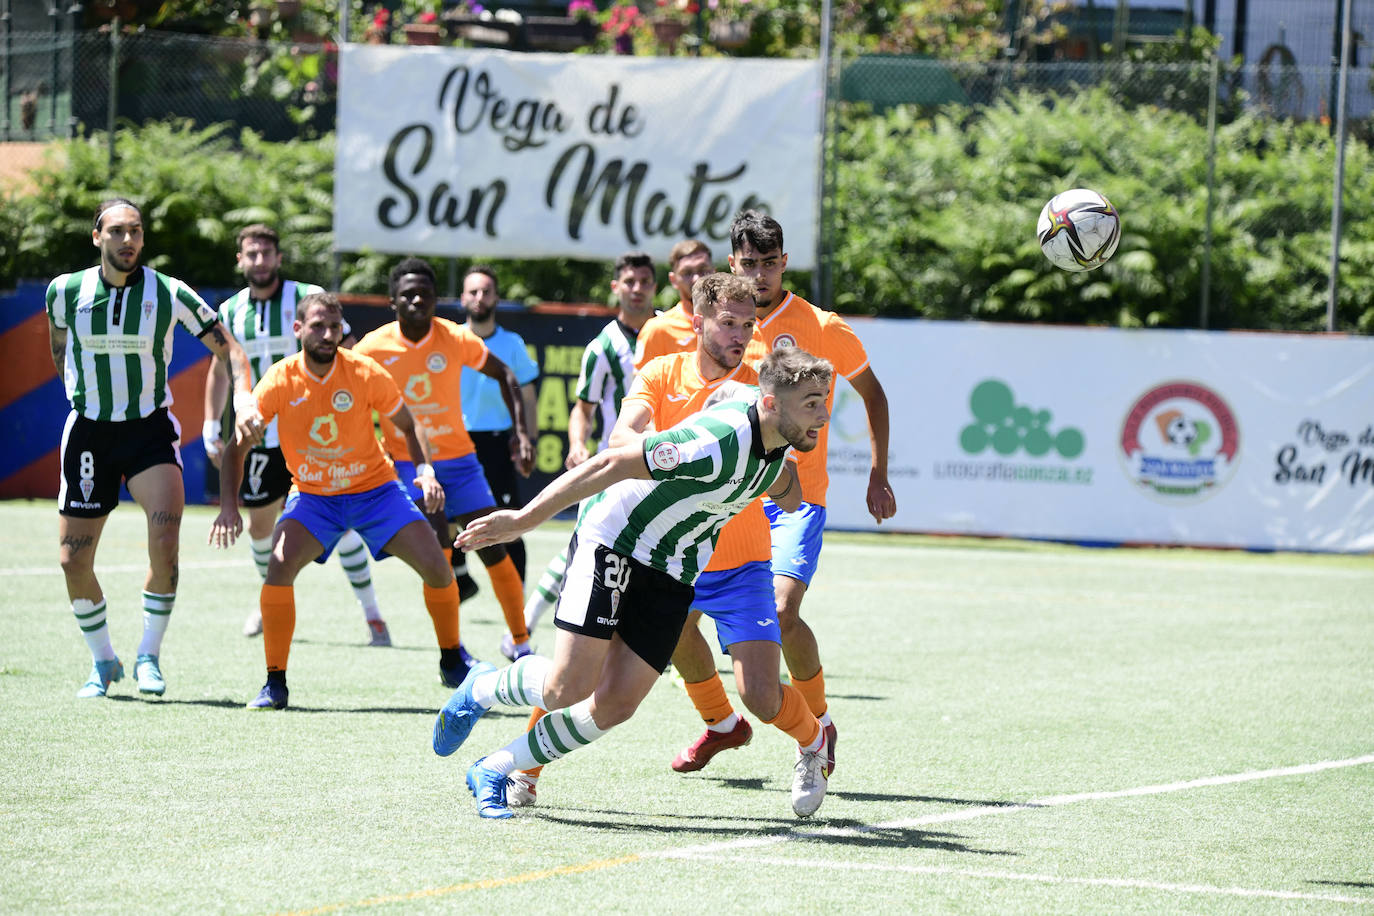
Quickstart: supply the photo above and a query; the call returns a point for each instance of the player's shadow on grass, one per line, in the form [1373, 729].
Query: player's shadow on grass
[1359, 884]
[760, 784]
[884, 837]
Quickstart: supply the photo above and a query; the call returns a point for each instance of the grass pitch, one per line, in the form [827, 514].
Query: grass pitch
[1023, 728]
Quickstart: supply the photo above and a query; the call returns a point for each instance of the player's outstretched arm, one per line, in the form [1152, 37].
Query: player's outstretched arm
[228, 525]
[881, 501]
[630, 425]
[587, 479]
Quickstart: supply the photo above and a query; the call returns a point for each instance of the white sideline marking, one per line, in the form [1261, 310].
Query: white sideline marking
[55, 570]
[1049, 801]
[829, 865]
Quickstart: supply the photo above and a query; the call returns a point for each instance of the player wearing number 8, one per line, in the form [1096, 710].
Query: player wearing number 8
[110, 329]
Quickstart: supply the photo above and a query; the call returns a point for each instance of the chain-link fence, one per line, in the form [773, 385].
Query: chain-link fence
[63, 83]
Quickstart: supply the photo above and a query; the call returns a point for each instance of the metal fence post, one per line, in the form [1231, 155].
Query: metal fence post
[1206, 293]
[6, 60]
[820, 277]
[74, 11]
[1338, 184]
[116, 26]
[56, 69]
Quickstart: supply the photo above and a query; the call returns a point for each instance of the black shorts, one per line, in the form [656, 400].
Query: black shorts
[265, 477]
[98, 455]
[493, 452]
[605, 593]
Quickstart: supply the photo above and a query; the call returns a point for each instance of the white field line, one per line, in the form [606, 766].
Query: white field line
[1128, 557]
[827, 865]
[1050, 801]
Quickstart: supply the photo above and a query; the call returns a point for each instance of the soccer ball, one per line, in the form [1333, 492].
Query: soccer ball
[1078, 229]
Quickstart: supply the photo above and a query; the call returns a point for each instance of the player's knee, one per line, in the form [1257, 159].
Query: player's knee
[492, 555]
[561, 690]
[761, 695]
[610, 711]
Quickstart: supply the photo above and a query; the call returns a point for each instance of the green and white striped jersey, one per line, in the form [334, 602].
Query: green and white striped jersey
[264, 328]
[119, 340]
[705, 471]
[608, 367]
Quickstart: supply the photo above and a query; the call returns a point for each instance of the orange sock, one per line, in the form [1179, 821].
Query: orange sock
[278, 604]
[709, 698]
[442, 604]
[510, 592]
[535, 716]
[813, 688]
[794, 718]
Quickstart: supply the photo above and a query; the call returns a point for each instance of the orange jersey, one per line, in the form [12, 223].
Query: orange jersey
[673, 390]
[671, 332]
[325, 424]
[798, 323]
[430, 375]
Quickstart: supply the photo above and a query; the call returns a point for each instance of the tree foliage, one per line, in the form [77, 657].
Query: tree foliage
[935, 217]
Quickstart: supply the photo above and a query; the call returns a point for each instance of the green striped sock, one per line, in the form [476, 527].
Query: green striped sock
[353, 558]
[90, 616]
[157, 611]
[553, 737]
[522, 683]
[545, 594]
[262, 552]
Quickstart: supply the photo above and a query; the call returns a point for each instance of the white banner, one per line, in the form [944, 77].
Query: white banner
[1173, 437]
[449, 152]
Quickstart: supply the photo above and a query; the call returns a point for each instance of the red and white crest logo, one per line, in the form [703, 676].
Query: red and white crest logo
[784, 340]
[665, 456]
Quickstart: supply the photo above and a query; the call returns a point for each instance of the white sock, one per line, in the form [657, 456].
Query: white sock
[352, 552]
[814, 745]
[519, 684]
[262, 551]
[825, 719]
[724, 725]
[90, 616]
[546, 592]
[157, 611]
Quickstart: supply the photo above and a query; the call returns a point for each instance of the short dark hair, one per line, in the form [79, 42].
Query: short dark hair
[410, 266]
[713, 289]
[486, 271]
[758, 229]
[632, 259]
[685, 249]
[260, 232]
[328, 300]
[788, 367]
[110, 205]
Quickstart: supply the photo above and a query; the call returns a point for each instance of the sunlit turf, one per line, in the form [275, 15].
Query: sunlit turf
[967, 678]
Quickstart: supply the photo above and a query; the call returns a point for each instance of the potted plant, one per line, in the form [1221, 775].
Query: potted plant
[562, 33]
[670, 22]
[621, 23]
[424, 30]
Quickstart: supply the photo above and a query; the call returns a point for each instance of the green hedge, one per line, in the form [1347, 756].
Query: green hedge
[932, 216]
[935, 217]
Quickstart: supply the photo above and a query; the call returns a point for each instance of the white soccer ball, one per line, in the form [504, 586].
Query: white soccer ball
[1078, 229]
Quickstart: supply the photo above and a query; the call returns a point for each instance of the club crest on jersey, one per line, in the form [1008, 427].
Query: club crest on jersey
[342, 400]
[784, 340]
[147, 309]
[665, 456]
[325, 429]
[436, 362]
[418, 387]
[87, 487]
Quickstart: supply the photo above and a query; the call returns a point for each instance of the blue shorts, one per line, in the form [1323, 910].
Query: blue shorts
[796, 539]
[741, 603]
[376, 514]
[465, 485]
